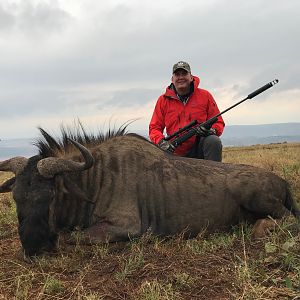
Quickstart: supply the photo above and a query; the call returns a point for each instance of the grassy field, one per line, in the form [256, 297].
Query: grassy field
[221, 266]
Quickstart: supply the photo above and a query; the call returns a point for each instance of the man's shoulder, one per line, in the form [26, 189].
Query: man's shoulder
[162, 99]
[203, 91]
[169, 93]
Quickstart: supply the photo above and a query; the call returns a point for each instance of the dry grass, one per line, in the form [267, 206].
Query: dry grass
[223, 266]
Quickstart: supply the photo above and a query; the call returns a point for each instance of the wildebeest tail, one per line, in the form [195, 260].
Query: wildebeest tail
[290, 203]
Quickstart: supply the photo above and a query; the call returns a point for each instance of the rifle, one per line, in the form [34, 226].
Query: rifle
[189, 131]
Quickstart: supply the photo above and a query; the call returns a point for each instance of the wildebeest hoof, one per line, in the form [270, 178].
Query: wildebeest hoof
[262, 228]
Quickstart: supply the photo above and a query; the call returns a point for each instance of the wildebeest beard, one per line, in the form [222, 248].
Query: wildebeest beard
[33, 195]
[35, 236]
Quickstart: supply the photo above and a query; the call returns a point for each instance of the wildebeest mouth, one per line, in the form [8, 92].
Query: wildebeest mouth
[35, 248]
[36, 238]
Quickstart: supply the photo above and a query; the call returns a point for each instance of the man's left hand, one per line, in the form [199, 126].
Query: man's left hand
[202, 131]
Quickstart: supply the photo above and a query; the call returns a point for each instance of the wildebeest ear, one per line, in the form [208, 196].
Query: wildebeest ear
[7, 185]
[51, 166]
[15, 164]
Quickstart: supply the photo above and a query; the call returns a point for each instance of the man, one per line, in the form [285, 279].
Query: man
[182, 103]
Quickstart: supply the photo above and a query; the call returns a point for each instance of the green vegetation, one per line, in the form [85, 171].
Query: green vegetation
[220, 266]
[53, 286]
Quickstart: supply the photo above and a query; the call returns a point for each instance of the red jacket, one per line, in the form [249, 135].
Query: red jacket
[172, 114]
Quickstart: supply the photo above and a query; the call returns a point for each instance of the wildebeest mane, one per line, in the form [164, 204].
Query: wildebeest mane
[49, 146]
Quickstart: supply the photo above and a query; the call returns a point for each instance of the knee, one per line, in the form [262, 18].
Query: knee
[213, 141]
[212, 148]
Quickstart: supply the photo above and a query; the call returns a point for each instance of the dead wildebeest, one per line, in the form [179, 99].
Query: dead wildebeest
[121, 185]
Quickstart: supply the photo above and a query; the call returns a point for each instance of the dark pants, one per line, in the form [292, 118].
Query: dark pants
[209, 147]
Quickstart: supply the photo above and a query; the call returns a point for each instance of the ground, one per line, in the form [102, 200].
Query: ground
[221, 266]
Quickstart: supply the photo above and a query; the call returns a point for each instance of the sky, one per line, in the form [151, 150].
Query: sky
[107, 62]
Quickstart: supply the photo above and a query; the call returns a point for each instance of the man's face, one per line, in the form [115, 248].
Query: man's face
[181, 80]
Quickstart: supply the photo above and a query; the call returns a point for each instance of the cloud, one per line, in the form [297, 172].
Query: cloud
[31, 102]
[6, 19]
[33, 17]
[61, 59]
[130, 98]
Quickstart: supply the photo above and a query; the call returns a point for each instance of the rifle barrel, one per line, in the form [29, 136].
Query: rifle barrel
[262, 89]
[250, 96]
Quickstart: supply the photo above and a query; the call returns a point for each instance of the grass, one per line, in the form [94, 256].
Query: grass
[221, 266]
[155, 290]
[52, 286]
[130, 265]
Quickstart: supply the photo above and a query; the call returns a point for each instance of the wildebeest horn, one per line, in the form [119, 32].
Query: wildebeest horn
[15, 164]
[7, 185]
[50, 166]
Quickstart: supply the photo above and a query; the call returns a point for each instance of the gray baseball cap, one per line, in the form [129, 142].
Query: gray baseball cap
[182, 65]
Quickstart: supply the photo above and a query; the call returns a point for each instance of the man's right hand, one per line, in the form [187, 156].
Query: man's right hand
[166, 146]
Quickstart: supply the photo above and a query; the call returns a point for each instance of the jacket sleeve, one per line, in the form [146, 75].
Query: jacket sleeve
[213, 110]
[157, 123]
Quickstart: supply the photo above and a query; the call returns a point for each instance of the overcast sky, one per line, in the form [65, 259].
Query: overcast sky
[106, 62]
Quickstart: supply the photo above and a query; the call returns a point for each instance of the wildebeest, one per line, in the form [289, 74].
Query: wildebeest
[120, 185]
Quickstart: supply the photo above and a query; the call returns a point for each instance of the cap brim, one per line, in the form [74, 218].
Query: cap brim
[181, 68]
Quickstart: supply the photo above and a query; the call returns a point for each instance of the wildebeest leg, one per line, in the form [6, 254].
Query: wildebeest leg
[263, 207]
[262, 228]
[104, 231]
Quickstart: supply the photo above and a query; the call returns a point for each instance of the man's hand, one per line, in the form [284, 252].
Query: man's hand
[202, 131]
[166, 146]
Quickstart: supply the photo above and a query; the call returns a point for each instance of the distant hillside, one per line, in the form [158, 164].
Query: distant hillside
[245, 135]
[236, 135]
[17, 147]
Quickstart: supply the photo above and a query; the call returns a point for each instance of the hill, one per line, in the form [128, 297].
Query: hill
[245, 135]
[234, 135]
